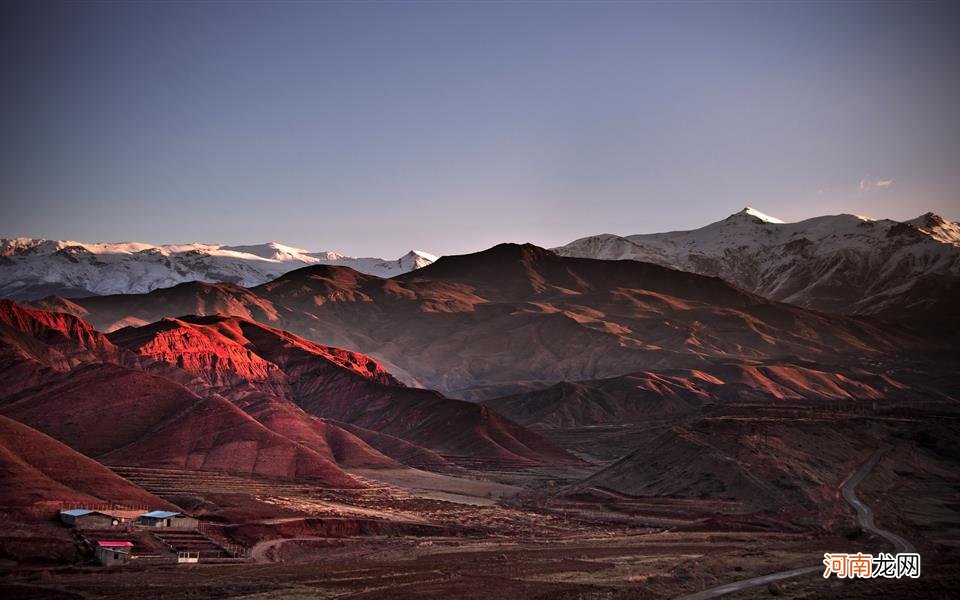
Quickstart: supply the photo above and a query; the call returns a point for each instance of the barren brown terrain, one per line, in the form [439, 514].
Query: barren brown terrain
[410, 535]
[664, 435]
[517, 317]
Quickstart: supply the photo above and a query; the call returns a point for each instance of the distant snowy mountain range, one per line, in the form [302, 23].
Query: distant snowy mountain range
[839, 263]
[34, 268]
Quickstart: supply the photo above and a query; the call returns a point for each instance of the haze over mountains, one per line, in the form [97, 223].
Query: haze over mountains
[34, 268]
[841, 263]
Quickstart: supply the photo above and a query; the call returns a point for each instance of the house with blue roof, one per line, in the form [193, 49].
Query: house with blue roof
[84, 518]
[166, 518]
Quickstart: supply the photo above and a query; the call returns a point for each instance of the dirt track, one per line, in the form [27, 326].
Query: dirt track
[864, 512]
[864, 518]
[259, 551]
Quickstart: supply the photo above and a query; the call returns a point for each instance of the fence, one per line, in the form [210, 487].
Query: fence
[213, 532]
[105, 507]
[50, 509]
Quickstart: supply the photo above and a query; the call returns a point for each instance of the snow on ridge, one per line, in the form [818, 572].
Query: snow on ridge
[33, 268]
[425, 255]
[763, 217]
[270, 250]
[835, 263]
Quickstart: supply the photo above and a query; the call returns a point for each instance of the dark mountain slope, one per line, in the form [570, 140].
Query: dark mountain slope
[38, 470]
[514, 318]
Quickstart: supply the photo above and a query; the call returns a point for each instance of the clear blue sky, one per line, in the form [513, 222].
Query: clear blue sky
[375, 128]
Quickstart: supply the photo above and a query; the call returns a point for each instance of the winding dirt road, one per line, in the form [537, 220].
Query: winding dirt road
[864, 518]
[864, 512]
[260, 551]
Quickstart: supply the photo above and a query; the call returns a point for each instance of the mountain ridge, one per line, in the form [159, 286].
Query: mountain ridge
[517, 317]
[32, 268]
[227, 393]
[835, 263]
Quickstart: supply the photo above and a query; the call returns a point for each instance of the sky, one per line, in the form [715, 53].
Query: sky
[374, 128]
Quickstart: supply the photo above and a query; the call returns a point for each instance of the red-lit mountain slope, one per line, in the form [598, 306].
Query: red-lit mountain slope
[122, 416]
[36, 470]
[259, 368]
[516, 317]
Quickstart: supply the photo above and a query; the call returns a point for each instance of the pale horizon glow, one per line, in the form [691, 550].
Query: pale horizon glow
[372, 129]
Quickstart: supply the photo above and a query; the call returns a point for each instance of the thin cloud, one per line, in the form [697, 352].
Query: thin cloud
[867, 184]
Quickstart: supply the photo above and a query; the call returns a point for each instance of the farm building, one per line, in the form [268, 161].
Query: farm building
[113, 553]
[165, 518]
[84, 518]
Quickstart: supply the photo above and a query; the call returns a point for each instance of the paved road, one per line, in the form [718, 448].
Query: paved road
[864, 517]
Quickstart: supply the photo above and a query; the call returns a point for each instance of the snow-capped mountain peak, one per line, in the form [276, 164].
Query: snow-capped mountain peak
[271, 251]
[33, 268]
[838, 263]
[416, 259]
[423, 255]
[937, 227]
[756, 214]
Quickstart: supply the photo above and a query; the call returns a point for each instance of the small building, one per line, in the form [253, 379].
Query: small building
[110, 553]
[83, 518]
[166, 518]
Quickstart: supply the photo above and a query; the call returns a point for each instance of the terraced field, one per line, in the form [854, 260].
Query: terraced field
[172, 482]
[192, 541]
[263, 500]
